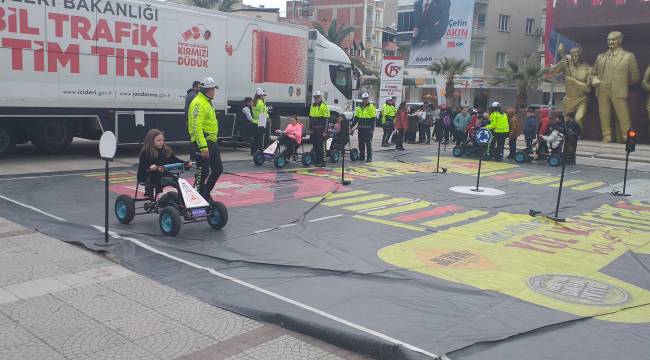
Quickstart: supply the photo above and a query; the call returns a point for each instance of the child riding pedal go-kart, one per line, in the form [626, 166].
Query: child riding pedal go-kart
[291, 139]
[174, 208]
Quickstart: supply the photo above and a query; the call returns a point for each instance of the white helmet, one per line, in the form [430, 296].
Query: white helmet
[317, 93]
[209, 83]
[365, 96]
[496, 104]
[260, 92]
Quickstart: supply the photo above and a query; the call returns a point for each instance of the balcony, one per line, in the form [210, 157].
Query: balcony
[479, 33]
[389, 46]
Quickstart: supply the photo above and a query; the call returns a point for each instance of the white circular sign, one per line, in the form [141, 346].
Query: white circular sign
[483, 191]
[107, 145]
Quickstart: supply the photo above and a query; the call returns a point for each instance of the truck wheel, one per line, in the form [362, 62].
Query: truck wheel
[51, 136]
[7, 140]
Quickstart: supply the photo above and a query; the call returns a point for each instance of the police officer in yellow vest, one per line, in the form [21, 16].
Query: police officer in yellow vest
[364, 120]
[499, 124]
[203, 127]
[260, 114]
[319, 114]
[388, 113]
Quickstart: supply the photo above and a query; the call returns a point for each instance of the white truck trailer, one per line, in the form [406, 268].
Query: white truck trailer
[76, 68]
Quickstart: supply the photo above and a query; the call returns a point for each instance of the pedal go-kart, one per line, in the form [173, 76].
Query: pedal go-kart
[539, 151]
[333, 151]
[174, 208]
[282, 154]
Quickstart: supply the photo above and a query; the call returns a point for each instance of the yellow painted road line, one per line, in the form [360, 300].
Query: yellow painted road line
[547, 180]
[456, 218]
[376, 204]
[567, 183]
[400, 209]
[530, 179]
[589, 186]
[354, 200]
[390, 223]
[337, 195]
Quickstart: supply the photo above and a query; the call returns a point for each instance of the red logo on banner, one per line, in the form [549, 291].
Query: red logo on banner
[392, 69]
[451, 44]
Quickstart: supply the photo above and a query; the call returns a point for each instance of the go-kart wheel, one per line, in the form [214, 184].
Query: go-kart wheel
[218, 217]
[468, 151]
[124, 209]
[554, 160]
[170, 221]
[279, 160]
[354, 155]
[306, 159]
[521, 157]
[258, 158]
[170, 198]
[457, 151]
[335, 156]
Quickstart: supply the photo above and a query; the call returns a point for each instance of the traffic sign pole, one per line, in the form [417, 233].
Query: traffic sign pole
[482, 137]
[478, 177]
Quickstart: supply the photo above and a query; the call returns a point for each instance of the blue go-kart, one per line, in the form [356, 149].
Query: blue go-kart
[174, 208]
[281, 154]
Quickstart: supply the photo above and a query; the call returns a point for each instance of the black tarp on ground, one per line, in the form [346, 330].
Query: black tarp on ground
[397, 253]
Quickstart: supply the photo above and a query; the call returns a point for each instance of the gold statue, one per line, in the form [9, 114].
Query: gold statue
[577, 74]
[646, 86]
[614, 71]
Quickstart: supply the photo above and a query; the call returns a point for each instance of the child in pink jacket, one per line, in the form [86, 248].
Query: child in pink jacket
[294, 130]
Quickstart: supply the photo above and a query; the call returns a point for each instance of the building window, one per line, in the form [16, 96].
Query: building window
[504, 22]
[477, 59]
[405, 21]
[530, 26]
[501, 60]
[480, 20]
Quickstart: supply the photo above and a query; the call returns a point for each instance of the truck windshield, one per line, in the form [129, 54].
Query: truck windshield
[341, 78]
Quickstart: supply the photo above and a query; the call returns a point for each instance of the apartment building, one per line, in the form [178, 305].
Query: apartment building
[367, 16]
[502, 30]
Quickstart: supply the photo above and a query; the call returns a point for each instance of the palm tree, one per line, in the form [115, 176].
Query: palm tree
[449, 68]
[221, 5]
[528, 75]
[335, 34]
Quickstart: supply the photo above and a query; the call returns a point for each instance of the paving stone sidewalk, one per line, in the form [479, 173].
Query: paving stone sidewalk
[60, 301]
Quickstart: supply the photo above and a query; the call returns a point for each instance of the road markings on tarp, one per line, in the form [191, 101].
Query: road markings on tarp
[331, 196]
[280, 297]
[354, 200]
[390, 223]
[376, 204]
[325, 218]
[41, 176]
[589, 186]
[438, 211]
[33, 208]
[454, 219]
[401, 209]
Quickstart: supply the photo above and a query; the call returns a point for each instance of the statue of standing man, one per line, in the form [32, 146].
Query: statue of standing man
[646, 86]
[614, 71]
[577, 74]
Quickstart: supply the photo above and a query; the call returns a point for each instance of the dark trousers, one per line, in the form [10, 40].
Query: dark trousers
[388, 130]
[258, 138]
[209, 170]
[529, 144]
[316, 136]
[399, 140]
[570, 148]
[422, 133]
[365, 142]
[512, 144]
[498, 145]
[459, 136]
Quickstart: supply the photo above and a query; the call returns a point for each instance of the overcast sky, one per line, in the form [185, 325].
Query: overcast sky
[282, 4]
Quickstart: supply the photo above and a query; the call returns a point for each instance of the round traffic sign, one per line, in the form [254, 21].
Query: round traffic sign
[483, 136]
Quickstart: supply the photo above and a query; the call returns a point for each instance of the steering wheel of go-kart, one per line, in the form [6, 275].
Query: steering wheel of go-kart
[177, 167]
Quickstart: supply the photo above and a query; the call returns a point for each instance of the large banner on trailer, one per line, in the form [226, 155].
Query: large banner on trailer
[124, 53]
[441, 28]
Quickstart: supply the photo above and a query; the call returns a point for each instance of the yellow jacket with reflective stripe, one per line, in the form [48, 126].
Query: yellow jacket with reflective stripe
[202, 121]
[388, 110]
[319, 111]
[260, 108]
[499, 123]
[368, 112]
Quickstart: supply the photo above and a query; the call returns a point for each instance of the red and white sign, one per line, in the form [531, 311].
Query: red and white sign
[392, 79]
